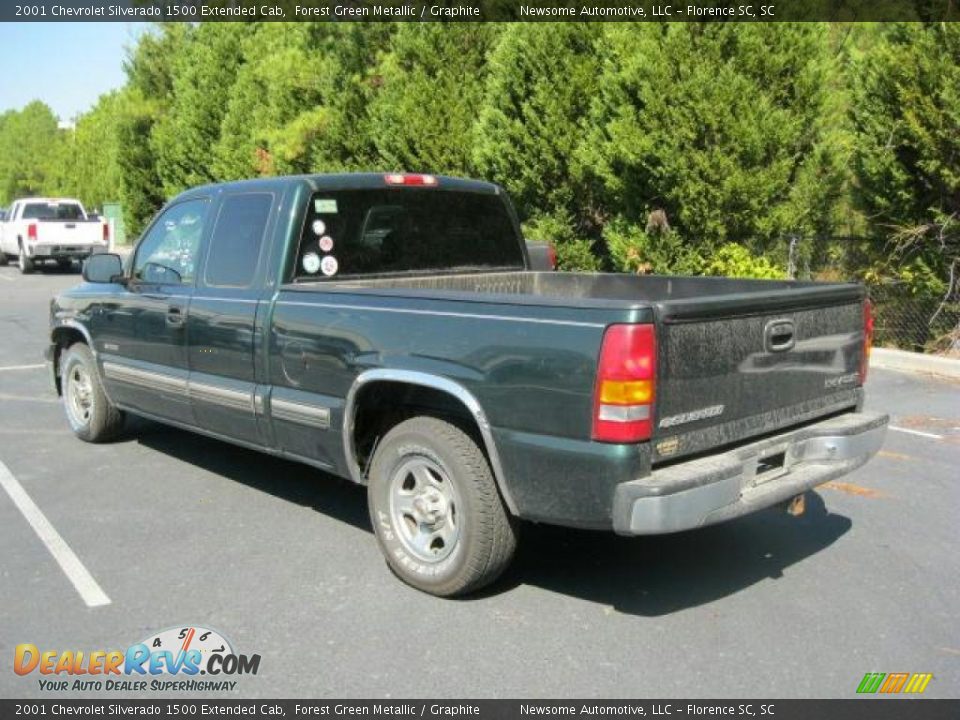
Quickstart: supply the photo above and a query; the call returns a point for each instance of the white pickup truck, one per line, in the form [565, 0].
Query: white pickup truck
[39, 229]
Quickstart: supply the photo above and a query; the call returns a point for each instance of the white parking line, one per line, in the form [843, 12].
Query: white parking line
[23, 367]
[75, 571]
[916, 432]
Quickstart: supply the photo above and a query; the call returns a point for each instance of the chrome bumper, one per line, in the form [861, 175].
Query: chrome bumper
[749, 478]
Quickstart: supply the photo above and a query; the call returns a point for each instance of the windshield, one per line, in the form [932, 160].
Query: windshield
[391, 231]
[52, 211]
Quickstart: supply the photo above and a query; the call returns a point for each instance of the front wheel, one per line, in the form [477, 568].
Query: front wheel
[436, 510]
[91, 415]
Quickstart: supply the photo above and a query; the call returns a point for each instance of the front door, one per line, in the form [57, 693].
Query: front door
[143, 330]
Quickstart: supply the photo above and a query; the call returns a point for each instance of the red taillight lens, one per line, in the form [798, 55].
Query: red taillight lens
[410, 179]
[32, 231]
[626, 384]
[552, 256]
[867, 340]
[106, 232]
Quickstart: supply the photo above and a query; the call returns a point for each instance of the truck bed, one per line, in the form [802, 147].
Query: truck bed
[718, 381]
[676, 295]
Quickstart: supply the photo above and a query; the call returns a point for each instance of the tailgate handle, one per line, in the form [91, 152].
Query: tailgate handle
[778, 335]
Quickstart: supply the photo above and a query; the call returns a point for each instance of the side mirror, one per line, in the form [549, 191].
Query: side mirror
[102, 268]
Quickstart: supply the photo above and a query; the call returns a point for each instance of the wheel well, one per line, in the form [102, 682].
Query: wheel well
[382, 405]
[63, 337]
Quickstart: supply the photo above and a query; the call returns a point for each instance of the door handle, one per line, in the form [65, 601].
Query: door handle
[174, 316]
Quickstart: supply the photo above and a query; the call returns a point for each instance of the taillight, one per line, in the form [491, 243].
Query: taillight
[626, 384]
[32, 232]
[410, 179]
[552, 256]
[867, 339]
[106, 232]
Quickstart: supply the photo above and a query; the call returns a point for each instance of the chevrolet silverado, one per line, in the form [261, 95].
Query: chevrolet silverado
[388, 329]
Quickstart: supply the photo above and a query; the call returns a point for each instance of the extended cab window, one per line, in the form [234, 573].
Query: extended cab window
[237, 239]
[168, 254]
[392, 231]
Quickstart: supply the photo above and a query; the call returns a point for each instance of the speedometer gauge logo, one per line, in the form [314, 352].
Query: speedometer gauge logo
[195, 639]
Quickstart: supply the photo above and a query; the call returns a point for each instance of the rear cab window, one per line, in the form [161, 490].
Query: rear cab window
[397, 231]
[52, 211]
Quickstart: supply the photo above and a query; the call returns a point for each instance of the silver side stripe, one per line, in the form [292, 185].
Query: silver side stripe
[439, 313]
[145, 378]
[300, 413]
[216, 395]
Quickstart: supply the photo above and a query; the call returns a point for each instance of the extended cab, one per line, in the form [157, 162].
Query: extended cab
[388, 329]
[40, 229]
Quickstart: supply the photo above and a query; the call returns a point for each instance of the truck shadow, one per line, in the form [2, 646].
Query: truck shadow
[662, 574]
[645, 576]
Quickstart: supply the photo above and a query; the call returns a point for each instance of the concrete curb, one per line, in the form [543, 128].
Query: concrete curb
[904, 361]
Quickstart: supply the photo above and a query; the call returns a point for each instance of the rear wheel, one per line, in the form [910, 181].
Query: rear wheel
[90, 414]
[436, 511]
[4, 260]
[25, 262]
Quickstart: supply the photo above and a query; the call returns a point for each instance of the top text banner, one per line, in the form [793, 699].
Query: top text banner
[481, 10]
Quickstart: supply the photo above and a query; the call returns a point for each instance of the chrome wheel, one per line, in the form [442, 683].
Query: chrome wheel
[424, 508]
[79, 395]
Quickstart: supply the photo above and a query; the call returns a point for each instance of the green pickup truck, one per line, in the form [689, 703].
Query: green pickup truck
[389, 329]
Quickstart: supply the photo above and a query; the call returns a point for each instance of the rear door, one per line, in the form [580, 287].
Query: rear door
[143, 331]
[753, 366]
[223, 317]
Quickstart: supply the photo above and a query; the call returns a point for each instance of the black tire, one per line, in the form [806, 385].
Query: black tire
[25, 262]
[486, 533]
[65, 264]
[4, 260]
[99, 421]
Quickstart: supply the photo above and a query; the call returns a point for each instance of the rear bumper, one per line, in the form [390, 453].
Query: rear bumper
[50, 251]
[751, 477]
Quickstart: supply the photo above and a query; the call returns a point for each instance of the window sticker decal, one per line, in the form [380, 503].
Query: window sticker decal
[329, 265]
[311, 263]
[326, 243]
[325, 206]
[319, 227]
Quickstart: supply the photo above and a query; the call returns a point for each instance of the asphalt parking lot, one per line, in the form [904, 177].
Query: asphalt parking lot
[180, 530]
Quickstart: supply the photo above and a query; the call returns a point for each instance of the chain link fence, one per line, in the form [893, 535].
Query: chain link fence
[902, 319]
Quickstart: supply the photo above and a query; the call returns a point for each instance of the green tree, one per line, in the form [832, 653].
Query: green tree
[424, 101]
[719, 125]
[30, 146]
[278, 104]
[906, 118]
[93, 173]
[147, 96]
[542, 79]
[187, 132]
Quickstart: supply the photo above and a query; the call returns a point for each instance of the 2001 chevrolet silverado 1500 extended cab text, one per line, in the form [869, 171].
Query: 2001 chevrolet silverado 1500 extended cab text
[388, 329]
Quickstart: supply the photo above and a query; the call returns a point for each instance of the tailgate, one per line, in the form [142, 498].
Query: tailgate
[71, 233]
[730, 370]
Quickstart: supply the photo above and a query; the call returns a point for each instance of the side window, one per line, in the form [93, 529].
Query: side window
[237, 239]
[168, 254]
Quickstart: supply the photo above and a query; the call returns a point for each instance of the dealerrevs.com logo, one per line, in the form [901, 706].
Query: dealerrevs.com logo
[170, 660]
